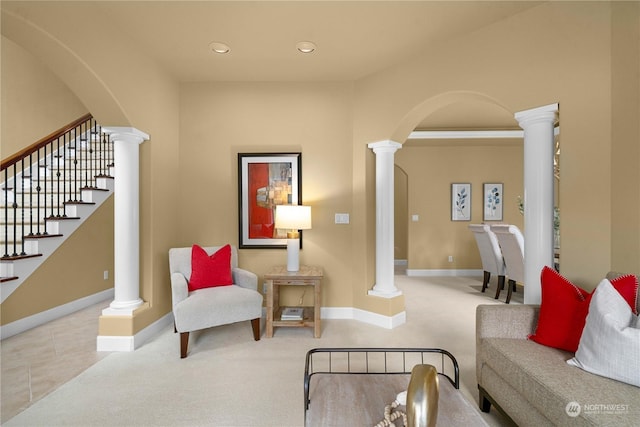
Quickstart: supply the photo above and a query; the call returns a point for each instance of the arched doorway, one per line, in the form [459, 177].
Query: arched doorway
[538, 125]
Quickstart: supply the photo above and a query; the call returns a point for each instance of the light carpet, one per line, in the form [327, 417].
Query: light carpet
[228, 379]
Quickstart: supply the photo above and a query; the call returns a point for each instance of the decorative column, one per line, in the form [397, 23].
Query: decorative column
[384, 286]
[538, 124]
[126, 142]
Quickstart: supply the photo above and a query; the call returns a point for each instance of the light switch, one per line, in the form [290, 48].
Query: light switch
[342, 218]
[415, 218]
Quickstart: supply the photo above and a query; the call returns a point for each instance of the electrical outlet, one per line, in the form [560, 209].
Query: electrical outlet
[106, 275]
[450, 258]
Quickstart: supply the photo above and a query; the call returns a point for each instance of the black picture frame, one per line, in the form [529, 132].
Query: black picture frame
[264, 181]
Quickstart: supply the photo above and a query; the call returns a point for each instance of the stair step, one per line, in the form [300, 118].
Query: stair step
[67, 186]
[33, 201]
[8, 279]
[20, 231]
[43, 236]
[33, 215]
[18, 257]
[84, 165]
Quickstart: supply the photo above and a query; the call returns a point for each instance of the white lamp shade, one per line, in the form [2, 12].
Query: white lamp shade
[293, 217]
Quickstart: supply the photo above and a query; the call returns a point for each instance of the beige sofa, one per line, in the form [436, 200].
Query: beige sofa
[532, 385]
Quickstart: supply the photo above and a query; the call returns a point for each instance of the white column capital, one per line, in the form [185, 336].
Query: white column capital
[546, 113]
[385, 146]
[126, 134]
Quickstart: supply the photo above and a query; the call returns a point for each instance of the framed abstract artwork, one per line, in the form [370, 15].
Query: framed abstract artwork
[460, 202]
[492, 203]
[266, 180]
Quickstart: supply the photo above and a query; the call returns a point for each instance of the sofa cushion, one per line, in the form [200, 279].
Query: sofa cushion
[210, 270]
[610, 342]
[564, 307]
[542, 377]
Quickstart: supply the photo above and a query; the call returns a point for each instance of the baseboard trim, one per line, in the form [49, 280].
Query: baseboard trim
[130, 343]
[387, 322]
[452, 272]
[26, 323]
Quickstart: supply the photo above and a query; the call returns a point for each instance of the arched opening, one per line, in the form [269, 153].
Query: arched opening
[83, 81]
[447, 146]
[454, 105]
[538, 125]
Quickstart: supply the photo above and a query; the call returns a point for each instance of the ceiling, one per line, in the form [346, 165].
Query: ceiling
[353, 38]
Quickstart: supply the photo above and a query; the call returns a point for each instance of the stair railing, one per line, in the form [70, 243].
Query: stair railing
[41, 179]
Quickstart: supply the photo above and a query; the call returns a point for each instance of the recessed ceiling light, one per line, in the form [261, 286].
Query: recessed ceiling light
[306, 47]
[218, 47]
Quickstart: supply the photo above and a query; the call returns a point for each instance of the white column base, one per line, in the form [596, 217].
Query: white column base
[385, 294]
[122, 308]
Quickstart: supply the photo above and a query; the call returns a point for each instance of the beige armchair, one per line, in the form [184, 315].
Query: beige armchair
[209, 307]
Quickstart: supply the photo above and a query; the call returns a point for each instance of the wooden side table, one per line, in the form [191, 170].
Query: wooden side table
[305, 276]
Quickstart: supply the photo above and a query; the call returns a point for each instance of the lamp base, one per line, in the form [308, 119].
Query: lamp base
[293, 254]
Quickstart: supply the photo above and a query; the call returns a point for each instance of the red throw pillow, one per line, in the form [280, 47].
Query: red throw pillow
[209, 271]
[564, 308]
[627, 286]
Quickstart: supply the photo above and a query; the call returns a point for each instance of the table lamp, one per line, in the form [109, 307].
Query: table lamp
[293, 218]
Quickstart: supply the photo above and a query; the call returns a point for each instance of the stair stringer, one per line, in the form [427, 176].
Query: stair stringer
[44, 247]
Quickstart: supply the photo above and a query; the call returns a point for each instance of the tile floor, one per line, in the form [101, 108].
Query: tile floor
[36, 362]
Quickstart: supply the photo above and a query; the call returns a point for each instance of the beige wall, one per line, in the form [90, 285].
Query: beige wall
[34, 103]
[556, 52]
[625, 136]
[218, 121]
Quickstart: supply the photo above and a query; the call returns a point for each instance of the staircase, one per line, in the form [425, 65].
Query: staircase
[48, 190]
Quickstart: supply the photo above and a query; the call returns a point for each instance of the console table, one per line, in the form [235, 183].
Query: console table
[305, 276]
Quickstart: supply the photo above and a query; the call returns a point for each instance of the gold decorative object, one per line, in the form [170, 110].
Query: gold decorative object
[422, 397]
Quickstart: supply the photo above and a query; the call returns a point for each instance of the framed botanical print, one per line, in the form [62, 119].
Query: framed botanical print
[492, 203]
[460, 202]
